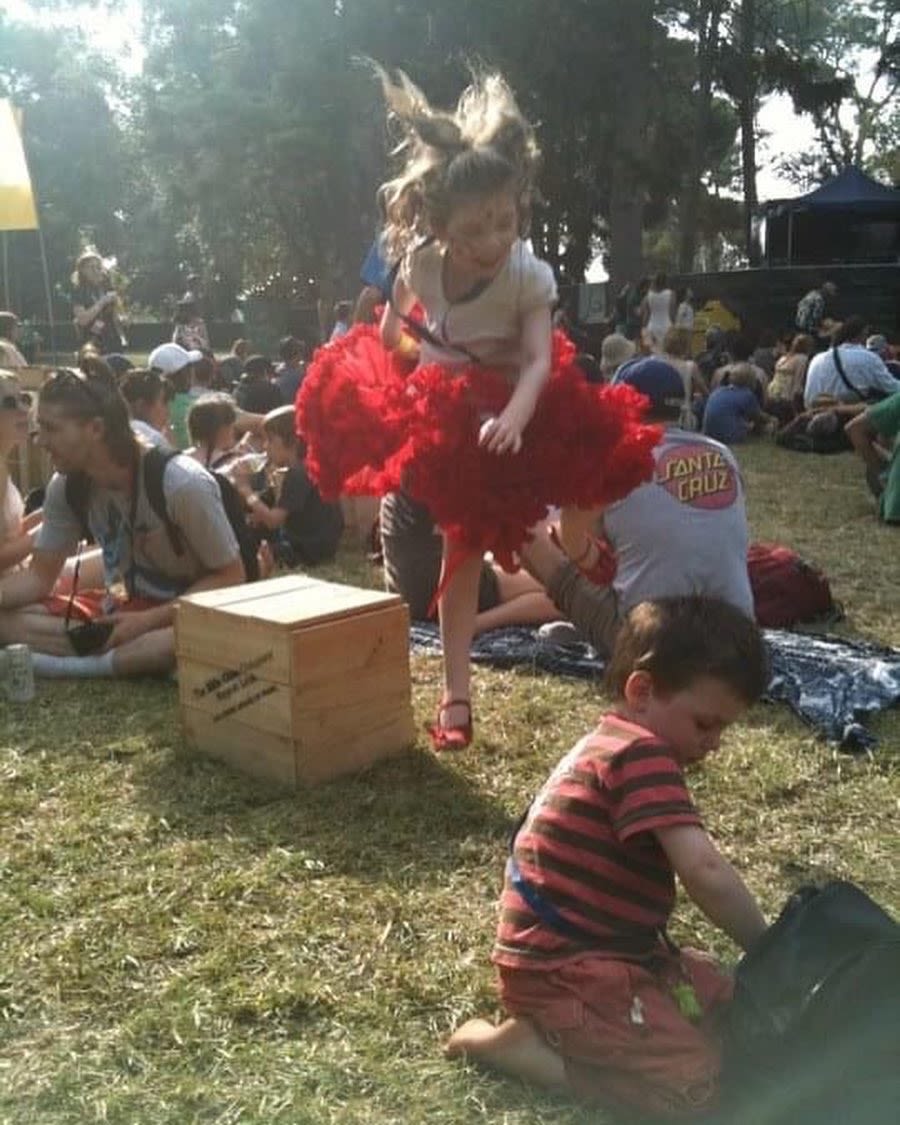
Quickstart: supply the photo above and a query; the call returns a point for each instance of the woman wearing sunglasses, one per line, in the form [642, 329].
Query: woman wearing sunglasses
[16, 529]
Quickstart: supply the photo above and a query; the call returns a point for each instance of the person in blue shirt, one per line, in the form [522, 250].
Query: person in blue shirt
[376, 271]
[377, 279]
[733, 412]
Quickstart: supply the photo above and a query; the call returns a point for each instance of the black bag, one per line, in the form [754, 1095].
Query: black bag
[154, 464]
[814, 1029]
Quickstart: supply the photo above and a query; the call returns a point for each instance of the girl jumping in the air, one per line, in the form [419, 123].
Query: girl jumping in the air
[496, 423]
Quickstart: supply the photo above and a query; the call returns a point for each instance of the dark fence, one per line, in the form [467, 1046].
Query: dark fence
[765, 300]
[267, 322]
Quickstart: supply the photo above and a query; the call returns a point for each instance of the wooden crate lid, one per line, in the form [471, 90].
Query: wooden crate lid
[291, 602]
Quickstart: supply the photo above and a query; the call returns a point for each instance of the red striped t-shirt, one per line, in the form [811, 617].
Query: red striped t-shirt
[588, 848]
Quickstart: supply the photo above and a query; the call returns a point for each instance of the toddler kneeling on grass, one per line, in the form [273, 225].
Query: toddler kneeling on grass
[599, 1001]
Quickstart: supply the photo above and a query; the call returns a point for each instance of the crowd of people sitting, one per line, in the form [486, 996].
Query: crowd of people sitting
[734, 390]
[178, 476]
[818, 388]
[234, 417]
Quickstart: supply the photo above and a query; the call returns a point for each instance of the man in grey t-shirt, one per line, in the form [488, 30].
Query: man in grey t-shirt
[83, 423]
[683, 533]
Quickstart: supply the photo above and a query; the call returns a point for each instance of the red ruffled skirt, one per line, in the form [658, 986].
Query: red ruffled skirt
[372, 425]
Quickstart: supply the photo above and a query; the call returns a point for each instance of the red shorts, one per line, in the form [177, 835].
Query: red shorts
[89, 605]
[620, 1031]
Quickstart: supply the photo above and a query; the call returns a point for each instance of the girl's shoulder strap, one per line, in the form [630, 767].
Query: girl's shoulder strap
[404, 260]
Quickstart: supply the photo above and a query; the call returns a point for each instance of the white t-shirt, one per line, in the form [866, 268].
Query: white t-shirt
[144, 551]
[489, 325]
[686, 531]
[863, 368]
[13, 508]
[12, 512]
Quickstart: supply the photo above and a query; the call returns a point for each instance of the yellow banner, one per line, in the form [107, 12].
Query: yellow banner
[17, 206]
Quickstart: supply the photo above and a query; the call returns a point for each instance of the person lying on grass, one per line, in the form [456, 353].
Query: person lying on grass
[683, 532]
[412, 552]
[599, 1002]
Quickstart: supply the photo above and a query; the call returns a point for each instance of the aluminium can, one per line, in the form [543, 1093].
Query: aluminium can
[19, 674]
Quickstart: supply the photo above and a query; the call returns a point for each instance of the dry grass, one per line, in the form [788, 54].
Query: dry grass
[182, 945]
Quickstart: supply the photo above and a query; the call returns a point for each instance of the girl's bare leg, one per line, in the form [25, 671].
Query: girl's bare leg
[457, 608]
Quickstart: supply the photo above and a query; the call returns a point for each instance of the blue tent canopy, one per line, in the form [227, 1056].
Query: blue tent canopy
[851, 190]
[851, 218]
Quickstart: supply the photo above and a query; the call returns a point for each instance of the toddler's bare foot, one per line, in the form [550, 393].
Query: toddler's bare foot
[515, 1047]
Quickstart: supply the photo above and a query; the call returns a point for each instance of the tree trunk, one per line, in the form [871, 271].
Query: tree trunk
[707, 45]
[626, 208]
[747, 112]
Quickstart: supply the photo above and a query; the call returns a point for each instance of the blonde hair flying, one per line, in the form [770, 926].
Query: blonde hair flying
[483, 146]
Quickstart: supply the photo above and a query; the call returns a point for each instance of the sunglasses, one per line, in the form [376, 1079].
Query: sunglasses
[95, 387]
[21, 400]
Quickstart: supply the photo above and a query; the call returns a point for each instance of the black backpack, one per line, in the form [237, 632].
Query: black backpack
[154, 463]
[814, 1029]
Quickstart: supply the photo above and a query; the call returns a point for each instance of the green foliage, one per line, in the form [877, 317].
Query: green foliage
[250, 148]
[849, 85]
[75, 146]
[275, 131]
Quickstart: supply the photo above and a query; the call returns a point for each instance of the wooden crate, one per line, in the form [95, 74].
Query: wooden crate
[294, 679]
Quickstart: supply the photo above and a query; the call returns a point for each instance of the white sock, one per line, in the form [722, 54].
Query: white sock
[74, 667]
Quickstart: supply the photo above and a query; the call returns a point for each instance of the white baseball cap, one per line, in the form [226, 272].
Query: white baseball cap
[169, 358]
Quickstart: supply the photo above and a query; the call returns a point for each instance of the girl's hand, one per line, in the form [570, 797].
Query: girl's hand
[504, 434]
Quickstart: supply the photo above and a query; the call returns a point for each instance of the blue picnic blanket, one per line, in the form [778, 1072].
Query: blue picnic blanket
[832, 683]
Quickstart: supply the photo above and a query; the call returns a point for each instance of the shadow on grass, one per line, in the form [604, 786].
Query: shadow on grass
[398, 822]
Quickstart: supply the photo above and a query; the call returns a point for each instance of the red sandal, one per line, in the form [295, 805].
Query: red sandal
[451, 738]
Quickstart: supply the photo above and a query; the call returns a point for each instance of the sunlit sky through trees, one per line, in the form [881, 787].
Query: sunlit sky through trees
[116, 32]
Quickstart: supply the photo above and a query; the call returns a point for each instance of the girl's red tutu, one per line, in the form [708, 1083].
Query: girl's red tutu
[371, 425]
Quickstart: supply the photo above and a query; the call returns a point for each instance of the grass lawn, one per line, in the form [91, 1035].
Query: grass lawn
[180, 944]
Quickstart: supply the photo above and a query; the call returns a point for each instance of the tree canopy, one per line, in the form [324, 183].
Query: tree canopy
[250, 147]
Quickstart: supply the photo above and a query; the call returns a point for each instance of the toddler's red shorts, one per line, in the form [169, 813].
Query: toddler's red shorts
[620, 1030]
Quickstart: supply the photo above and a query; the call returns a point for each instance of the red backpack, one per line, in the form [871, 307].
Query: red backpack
[787, 590]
